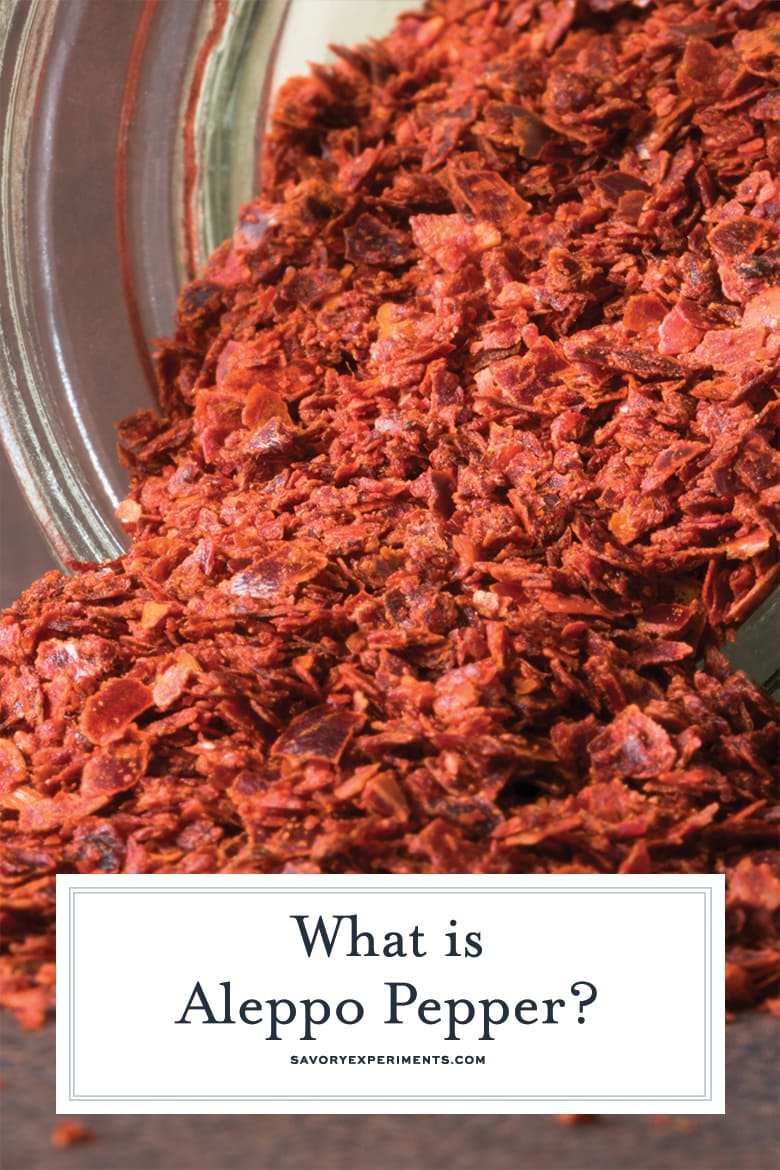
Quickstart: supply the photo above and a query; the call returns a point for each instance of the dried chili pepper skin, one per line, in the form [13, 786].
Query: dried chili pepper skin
[71, 1133]
[465, 467]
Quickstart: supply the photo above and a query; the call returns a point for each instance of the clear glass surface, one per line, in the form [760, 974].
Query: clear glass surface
[131, 133]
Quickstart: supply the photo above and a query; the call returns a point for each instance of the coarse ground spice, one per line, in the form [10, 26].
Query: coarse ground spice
[463, 471]
[71, 1133]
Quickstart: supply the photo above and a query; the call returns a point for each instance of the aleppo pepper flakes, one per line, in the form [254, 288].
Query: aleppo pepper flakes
[71, 1133]
[464, 468]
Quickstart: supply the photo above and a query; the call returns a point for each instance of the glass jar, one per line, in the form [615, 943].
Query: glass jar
[131, 134]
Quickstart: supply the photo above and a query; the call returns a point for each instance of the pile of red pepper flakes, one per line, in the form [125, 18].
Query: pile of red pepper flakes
[463, 472]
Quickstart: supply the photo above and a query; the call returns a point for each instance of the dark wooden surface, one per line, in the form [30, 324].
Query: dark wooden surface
[746, 1138]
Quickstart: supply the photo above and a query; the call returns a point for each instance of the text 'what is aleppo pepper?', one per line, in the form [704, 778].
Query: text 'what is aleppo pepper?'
[464, 469]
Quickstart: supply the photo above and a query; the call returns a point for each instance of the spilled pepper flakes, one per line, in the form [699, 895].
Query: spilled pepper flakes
[71, 1133]
[463, 470]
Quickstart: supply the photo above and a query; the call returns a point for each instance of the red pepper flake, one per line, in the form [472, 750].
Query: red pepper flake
[71, 1133]
[321, 733]
[634, 746]
[113, 769]
[13, 769]
[110, 711]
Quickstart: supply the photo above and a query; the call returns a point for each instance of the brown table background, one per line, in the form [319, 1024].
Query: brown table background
[747, 1138]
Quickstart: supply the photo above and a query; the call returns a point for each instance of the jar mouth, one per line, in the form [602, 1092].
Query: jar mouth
[131, 135]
